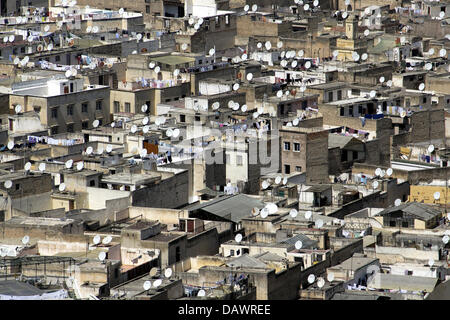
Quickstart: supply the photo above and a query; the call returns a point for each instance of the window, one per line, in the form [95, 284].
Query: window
[70, 110]
[147, 9]
[287, 169]
[92, 183]
[287, 146]
[71, 87]
[70, 127]
[298, 169]
[54, 130]
[84, 124]
[22, 50]
[84, 107]
[148, 106]
[404, 224]
[238, 252]
[54, 113]
[232, 252]
[116, 106]
[197, 118]
[350, 111]
[18, 186]
[239, 160]
[355, 155]
[57, 58]
[98, 105]
[177, 254]
[330, 96]
[127, 107]
[182, 118]
[341, 112]
[296, 147]
[344, 156]
[392, 223]
[339, 95]
[424, 100]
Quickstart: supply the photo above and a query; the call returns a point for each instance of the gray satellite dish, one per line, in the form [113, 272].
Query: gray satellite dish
[153, 271]
[308, 214]
[330, 277]
[107, 240]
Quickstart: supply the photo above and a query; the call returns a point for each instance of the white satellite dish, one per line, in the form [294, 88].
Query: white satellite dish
[145, 121]
[42, 167]
[145, 129]
[422, 86]
[11, 38]
[389, 172]
[30, 38]
[381, 79]
[215, 105]
[184, 46]
[320, 281]
[249, 76]
[68, 73]
[375, 184]
[95, 29]
[102, 256]
[316, 3]
[96, 239]
[244, 108]
[236, 86]
[169, 132]
[264, 213]
[294, 64]
[16, 60]
[144, 108]
[107, 240]
[372, 94]
[436, 195]
[430, 148]
[196, 26]
[298, 245]
[133, 128]
[431, 262]
[319, 223]
[279, 44]
[254, 7]
[306, 7]
[265, 184]
[18, 108]
[69, 163]
[345, 15]
[308, 214]
[443, 53]
[147, 285]
[100, 151]
[293, 213]
[8, 184]
[89, 29]
[95, 123]
[431, 51]
[89, 150]
[121, 11]
[397, 202]
[355, 56]
[212, 51]
[279, 93]
[74, 72]
[46, 28]
[278, 180]
[311, 278]
[168, 272]
[366, 32]
[330, 277]
[25, 240]
[152, 64]
[176, 133]
[428, 66]
[268, 45]
[378, 171]
[201, 293]
[80, 166]
[295, 121]
[272, 208]
[157, 283]
[238, 237]
[445, 239]
[176, 72]
[364, 56]
[259, 45]
[139, 36]
[27, 166]
[246, 8]
[157, 69]
[285, 180]
[62, 187]
[308, 64]
[143, 153]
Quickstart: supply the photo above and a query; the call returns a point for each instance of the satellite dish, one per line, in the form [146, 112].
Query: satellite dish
[364, 56]
[157, 283]
[311, 278]
[279, 93]
[212, 51]
[107, 240]
[89, 29]
[389, 172]
[169, 132]
[147, 285]
[330, 277]
[278, 180]
[259, 45]
[42, 167]
[18, 108]
[375, 184]
[153, 271]
[68, 73]
[389, 83]
[121, 11]
[295, 122]
[298, 245]
[238, 238]
[176, 133]
[254, 8]
[8, 184]
[95, 123]
[191, 21]
[264, 213]
[102, 256]
[151, 65]
[143, 153]
[168, 272]
[200, 21]
[249, 76]
[306, 7]
[74, 72]
[285, 180]
[236, 86]
[293, 213]
[27, 166]
[431, 262]
[100, 150]
[139, 36]
[431, 51]
[355, 56]
[272, 208]
[319, 223]
[80, 166]
[144, 108]
[201, 293]
[25, 240]
[308, 64]
[95, 29]
[372, 94]
[378, 171]
[320, 281]
[268, 45]
[265, 184]
[428, 66]
[244, 108]
[157, 69]
[294, 64]
[366, 32]
[397, 202]
[184, 46]
[176, 72]
[443, 53]
[96, 239]
[430, 148]
[16, 61]
[10, 145]
[89, 150]
[382, 79]
[445, 239]
[345, 15]
[133, 128]
[436, 195]
[46, 28]
[422, 86]
[308, 214]
[69, 163]
[11, 38]
[145, 129]
[145, 120]
[246, 8]
[215, 105]
[280, 44]
[316, 3]
[62, 187]
[196, 26]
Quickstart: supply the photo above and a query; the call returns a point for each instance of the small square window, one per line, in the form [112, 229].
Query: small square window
[287, 146]
[296, 147]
